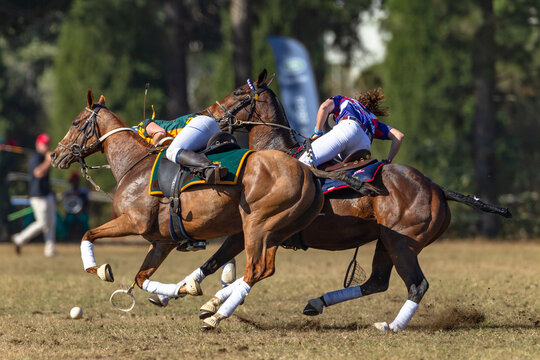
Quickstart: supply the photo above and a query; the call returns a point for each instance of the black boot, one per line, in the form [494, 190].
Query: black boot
[211, 172]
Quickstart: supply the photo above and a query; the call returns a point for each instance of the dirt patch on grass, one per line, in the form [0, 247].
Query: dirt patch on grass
[458, 318]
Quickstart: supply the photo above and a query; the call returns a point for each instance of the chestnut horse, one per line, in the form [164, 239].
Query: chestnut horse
[411, 215]
[274, 198]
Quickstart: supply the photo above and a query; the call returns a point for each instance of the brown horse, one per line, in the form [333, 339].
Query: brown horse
[411, 214]
[274, 198]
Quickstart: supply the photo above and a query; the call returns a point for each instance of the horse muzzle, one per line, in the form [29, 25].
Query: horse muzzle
[61, 161]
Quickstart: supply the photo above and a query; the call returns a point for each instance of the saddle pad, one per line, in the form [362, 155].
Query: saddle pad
[232, 160]
[366, 174]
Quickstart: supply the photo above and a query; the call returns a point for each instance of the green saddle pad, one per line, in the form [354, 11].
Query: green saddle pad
[233, 160]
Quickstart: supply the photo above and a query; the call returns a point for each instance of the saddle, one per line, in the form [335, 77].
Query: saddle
[172, 178]
[356, 160]
[360, 165]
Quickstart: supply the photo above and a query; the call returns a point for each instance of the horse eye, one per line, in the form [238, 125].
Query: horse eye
[237, 92]
[75, 123]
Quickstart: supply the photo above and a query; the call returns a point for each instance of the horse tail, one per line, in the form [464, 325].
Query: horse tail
[475, 203]
[355, 184]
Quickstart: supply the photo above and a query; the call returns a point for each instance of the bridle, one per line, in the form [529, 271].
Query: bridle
[88, 130]
[229, 116]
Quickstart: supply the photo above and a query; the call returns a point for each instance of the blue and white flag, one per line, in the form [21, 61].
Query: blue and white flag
[296, 82]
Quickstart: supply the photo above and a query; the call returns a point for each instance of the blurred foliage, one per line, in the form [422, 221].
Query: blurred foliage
[428, 78]
[52, 52]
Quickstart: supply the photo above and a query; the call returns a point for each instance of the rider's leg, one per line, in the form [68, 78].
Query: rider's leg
[343, 138]
[194, 137]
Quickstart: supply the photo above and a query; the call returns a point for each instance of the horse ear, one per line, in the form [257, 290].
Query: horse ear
[270, 79]
[90, 98]
[262, 77]
[101, 100]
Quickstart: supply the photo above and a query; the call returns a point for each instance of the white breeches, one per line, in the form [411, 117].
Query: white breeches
[44, 208]
[194, 136]
[344, 139]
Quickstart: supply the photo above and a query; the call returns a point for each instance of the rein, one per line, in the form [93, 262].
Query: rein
[229, 116]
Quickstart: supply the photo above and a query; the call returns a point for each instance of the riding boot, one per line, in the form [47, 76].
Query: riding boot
[211, 172]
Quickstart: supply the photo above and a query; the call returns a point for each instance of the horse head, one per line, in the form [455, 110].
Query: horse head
[250, 105]
[83, 137]
[243, 104]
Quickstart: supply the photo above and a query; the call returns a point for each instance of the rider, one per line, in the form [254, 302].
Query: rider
[191, 133]
[355, 129]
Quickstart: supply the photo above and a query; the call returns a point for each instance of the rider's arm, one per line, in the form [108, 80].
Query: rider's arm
[42, 169]
[324, 110]
[156, 132]
[397, 138]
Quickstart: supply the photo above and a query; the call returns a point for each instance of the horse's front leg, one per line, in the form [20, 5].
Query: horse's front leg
[121, 226]
[155, 256]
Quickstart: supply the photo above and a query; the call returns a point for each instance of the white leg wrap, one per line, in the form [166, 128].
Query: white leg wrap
[228, 273]
[197, 275]
[404, 316]
[338, 296]
[164, 299]
[240, 291]
[87, 254]
[155, 287]
[224, 293]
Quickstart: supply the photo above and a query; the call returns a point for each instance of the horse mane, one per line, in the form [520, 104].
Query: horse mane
[372, 100]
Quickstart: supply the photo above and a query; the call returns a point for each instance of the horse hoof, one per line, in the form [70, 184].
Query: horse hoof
[193, 287]
[156, 300]
[314, 307]
[210, 323]
[105, 273]
[207, 310]
[383, 326]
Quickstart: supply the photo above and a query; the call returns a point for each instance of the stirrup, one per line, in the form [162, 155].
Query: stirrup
[214, 174]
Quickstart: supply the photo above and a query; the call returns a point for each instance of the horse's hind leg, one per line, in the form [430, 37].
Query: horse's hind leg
[377, 282]
[406, 262]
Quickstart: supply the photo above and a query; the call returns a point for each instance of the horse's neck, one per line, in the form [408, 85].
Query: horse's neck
[123, 148]
[268, 137]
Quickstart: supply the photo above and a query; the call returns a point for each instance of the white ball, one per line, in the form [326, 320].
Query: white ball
[76, 313]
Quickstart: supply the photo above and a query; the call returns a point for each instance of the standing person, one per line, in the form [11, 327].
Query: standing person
[355, 129]
[42, 200]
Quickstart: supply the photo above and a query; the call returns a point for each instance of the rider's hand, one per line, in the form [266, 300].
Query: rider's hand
[315, 136]
[158, 136]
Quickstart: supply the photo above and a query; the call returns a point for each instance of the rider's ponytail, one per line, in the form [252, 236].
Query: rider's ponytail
[372, 100]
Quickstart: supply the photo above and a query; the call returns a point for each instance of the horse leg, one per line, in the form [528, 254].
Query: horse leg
[231, 247]
[406, 263]
[258, 268]
[377, 282]
[121, 226]
[154, 258]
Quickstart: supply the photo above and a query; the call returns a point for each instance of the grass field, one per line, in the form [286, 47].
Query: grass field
[483, 303]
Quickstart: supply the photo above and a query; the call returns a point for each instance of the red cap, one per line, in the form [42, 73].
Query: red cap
[43, 139]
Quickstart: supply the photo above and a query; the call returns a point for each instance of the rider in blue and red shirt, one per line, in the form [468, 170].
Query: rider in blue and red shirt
[355, 129]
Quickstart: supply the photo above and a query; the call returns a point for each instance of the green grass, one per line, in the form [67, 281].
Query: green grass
[482, 303]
